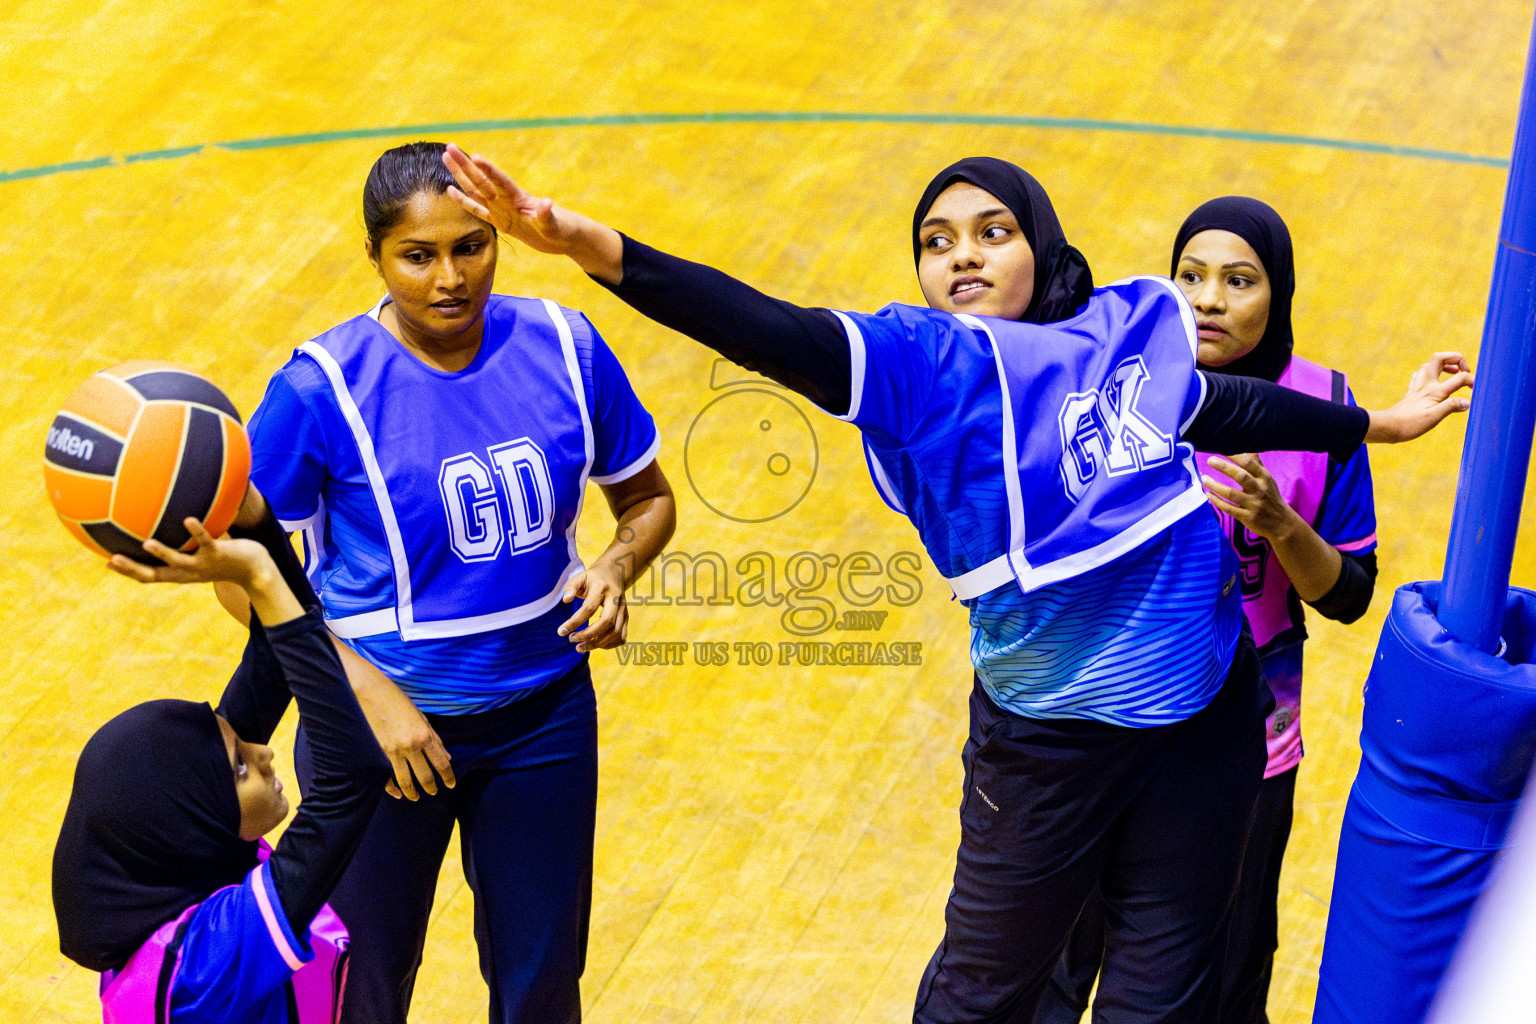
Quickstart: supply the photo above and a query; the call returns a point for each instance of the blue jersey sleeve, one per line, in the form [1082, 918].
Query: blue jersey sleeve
[1347, 519]
[624, 436]
[288, 462]
[237, 953]
[895, 355]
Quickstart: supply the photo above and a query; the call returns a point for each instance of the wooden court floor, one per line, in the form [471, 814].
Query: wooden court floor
[182, 179]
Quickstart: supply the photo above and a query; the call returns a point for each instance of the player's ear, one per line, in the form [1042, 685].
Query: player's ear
[373, 257]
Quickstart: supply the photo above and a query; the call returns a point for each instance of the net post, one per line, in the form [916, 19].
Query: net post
[1503, 414]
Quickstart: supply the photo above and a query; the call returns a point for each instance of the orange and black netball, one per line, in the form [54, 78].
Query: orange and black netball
[138, 448]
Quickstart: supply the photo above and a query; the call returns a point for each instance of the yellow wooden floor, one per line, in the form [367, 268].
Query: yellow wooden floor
[775, 843]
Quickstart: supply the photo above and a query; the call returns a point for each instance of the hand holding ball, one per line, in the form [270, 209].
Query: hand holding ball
[137, 449]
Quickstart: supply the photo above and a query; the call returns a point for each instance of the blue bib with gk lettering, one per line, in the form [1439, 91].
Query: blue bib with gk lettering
[1070, 436]
[1043, 468]
[1092, 412]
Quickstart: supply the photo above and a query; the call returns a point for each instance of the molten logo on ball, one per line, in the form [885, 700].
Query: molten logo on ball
[64, 441]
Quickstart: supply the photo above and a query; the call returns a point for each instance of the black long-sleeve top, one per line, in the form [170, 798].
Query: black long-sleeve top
[806, 350]
[296, 659]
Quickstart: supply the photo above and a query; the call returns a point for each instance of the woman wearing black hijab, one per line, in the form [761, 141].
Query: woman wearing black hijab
[170, 797]
[1304, 527]
[1116, 714]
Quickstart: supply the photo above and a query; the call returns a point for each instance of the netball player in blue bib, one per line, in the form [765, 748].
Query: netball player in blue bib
[435, 453]
[1304, 528]
[159, 881]
[1117, 716]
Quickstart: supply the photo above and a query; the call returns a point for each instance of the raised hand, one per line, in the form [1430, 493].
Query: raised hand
[1428, 401]
[490, 194]
[217, 560]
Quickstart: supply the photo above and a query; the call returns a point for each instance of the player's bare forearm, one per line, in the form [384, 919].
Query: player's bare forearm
[645, 514]
[271, 597]
[1312, 564]
[598, 249]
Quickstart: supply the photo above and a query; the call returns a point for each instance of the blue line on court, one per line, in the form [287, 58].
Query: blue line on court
[771, 117]
[163, 154]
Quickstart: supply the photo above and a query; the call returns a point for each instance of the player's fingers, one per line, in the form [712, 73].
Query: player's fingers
[1251, 462]
[1451, 385]
[614, 634]
[126, 566]
[442, 763]
[1231, 469]
[1423, 374]
[423, 771]
[1228, 494]
[470, 205]
[392, 789]
[575, 587]
[1449, 407]
[589, 605]
[464, 169]
[453, 156]
[403, 782]
[599, 625]
[1450, 362]
[475, 166]
[1221, 504]
[466, 188]
[198, 531]
[178, 564]
[162, 552]
[1440, 362]
[501, 180]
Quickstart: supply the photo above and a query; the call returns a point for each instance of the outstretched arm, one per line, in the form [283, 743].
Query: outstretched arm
[1242, 414]
[291, 647]
[804, 349]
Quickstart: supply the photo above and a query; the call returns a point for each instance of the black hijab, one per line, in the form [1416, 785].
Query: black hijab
[1063, 281]
[1261, 227]
[153, 826]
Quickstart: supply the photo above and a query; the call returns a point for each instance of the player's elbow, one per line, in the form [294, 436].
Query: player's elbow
[1350, 596]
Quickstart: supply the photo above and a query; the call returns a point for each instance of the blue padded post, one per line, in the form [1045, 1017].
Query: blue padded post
[1447, 740]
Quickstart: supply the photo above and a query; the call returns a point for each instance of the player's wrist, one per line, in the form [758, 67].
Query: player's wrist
[259, 576]
[597, 249]
[1285, 527]
[1384, 427]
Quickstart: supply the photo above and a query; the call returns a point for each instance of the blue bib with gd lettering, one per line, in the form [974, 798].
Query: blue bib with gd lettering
[478, 475]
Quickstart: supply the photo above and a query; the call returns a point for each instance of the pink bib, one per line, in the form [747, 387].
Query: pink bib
[1301, 478]
[140, 993]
